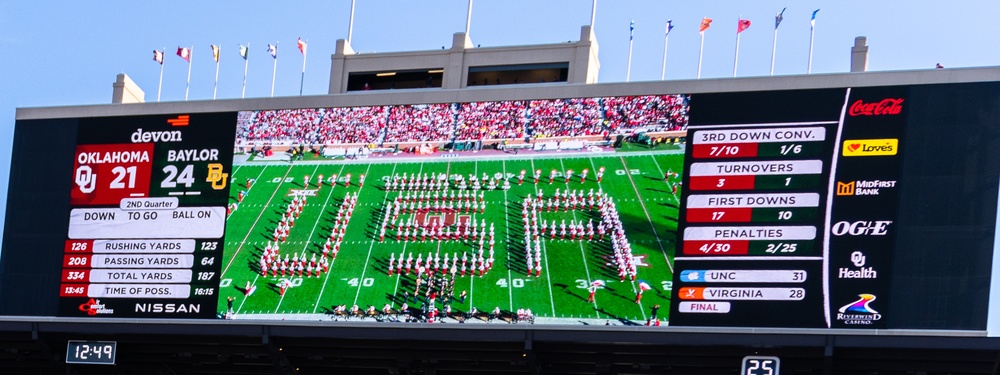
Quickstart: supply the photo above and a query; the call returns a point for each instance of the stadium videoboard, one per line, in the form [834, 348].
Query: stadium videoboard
[822, 208]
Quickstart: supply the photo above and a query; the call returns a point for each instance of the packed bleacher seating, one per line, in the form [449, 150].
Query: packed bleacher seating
[350, 125]
[490, 120]
[655, 112]
[564, 118]
[422, 122]
[446, 122]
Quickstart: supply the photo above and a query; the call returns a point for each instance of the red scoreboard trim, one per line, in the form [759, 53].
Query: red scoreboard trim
[75, 275]
[79, 247]
[723, 150]
[105, 174]
[745, 182]
[715, 248]
[73, 290]
[719, 215]
[76, 261]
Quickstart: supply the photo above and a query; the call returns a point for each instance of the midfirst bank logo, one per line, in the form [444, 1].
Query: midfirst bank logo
[859, 312]
[863, 187]
[871, 147]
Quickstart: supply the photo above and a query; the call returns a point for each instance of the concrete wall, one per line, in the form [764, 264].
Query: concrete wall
[528, 92]
[580, 55]
[126, 91]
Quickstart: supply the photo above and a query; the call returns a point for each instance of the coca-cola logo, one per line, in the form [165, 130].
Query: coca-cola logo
[884, 107]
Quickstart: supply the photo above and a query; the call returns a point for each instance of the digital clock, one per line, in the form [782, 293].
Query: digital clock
[91, 352]
[758, 365]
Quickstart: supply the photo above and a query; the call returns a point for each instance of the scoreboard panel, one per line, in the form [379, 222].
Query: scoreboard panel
[835, 176]
[147, 216]
[773, 209]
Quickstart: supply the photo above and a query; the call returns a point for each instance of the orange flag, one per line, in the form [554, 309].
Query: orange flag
[705, 24]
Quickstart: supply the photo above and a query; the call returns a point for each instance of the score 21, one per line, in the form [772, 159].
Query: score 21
[104, 174]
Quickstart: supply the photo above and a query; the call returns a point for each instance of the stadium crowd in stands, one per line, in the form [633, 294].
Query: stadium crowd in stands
[419, 123]
[490, 120]
[465, 121]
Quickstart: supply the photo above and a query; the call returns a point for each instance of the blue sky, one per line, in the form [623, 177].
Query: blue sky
[68, 53]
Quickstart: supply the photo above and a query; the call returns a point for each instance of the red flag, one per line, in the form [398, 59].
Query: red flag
[705, 24]
[742, 25]
[302, 46]
[184, 53]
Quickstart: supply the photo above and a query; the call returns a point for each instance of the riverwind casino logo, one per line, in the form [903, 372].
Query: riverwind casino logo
[859, 312]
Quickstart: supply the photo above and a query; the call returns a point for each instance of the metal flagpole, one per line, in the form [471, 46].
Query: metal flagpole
[736, 59]
[812, 34]
[628, 69]
[593, 15]
[302, 82]
[215, 90]
[160, 88]
[701, 53]
[774, 45]
[274, 72]
[666, 39]
[188, 86]
[246, 64]
[468, 19]
[350, 24]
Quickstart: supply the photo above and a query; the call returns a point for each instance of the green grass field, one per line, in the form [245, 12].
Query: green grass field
[358, 274]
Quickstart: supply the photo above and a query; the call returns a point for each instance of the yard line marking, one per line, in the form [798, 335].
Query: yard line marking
[548, 273]
[364, 269]
[663, 174]
[592, 165]
[329, 195]
[246, 296]
[250, 231]
[506, 236]
[385, 211]
[583, 254]
[650, 219]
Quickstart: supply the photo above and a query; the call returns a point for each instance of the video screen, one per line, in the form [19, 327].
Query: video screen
[550, 211]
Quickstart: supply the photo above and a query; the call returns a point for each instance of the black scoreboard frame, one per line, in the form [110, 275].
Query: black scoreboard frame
[967, 95]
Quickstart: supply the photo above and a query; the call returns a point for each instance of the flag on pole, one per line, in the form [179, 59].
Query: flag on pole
[812, 22]
[215, 52]
[243, 51]
[644, 286]
[184, 53]
[705, 24]
[778, 18]
[631, 28]
[158, 56]
[273, 50]
[302, 46]
[742, 25]
[670, 26]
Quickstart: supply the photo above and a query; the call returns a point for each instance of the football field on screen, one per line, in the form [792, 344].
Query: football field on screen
[358, 274]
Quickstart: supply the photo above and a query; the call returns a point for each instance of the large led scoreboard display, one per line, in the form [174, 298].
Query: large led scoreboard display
[864, 208]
